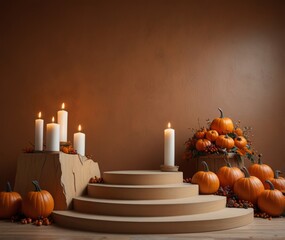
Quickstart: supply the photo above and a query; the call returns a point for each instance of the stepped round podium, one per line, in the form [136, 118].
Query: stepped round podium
[149, 202]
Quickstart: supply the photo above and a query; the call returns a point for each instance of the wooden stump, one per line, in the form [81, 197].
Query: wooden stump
[65, 176]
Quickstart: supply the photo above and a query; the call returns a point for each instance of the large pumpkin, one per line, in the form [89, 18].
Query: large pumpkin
[278, 182]
[208, 181]
[202, 144]
[38, 203]
[228, 175]
[10, 202]
[271, 201]
[224, 141]
[248, 188]
[261, 171]
[222, 125]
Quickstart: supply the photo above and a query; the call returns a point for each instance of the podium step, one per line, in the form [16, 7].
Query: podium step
[218, 220]
[150, 208]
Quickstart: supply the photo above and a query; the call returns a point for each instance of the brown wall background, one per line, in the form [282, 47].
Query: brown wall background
[126, 68]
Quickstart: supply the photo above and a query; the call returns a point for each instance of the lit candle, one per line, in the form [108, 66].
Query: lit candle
[62, 116]
[79, 142]
[39, 133]
[169, 146]
[52, 136]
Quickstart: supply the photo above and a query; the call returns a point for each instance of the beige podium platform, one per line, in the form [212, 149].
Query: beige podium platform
[149, 202]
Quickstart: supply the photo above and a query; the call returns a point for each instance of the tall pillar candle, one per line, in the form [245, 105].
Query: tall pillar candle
[62, 119]
[52, 137]
[39, 133]
[169, 146]
[79, 142]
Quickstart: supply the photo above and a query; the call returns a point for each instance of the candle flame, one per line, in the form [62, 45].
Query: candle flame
[79, 127]
[40, 114]
[52, 119]
[62, 106]
[169, 125]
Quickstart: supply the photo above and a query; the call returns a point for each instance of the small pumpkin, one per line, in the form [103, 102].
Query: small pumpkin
[261, 170]
[271, 201]
[228, 175]
[248, 187]
[212, 135]
[10, 202]
[238, 131]
[240, 142]
[38, 203]
[208, 181]
[278, 182]
[202, 144]
[200, 133]
[222, 125]
[224, 141]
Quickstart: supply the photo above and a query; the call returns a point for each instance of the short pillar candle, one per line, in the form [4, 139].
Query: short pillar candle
[169, 146]
[52, 137]
[79, 142]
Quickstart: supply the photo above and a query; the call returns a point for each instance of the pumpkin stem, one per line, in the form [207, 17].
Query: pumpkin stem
[8, 187]
[270, 184]
[276, 174]
[222, 114]
[259, 159]
[206, 167]
[37, 186]
[246, 173]
[229, 164]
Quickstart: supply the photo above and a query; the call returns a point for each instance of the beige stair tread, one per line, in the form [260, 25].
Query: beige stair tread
[142, 192]
[142, 177]
[217, 220]
[144, 208]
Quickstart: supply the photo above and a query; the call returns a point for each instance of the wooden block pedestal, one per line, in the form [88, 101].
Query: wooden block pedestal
[65, 176]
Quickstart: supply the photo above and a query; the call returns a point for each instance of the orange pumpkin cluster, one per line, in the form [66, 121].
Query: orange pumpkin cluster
[221, 136]
[257, 186]
[37, 204]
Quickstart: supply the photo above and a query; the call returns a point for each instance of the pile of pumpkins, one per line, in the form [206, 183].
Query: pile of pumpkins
[218, 135]
[36, 204]
[258, 184]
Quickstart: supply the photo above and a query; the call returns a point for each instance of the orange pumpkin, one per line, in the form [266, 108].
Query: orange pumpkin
[222, 125]
[240, 142]
[38, 203]
[261, 171]
[238, 132]
[200, 133]
[202, 144]
[278, 182]
[208, 181]
[228, 175]
[271, 201]
[212, 135]
[10, 202]
[248, 188]
[224, 141]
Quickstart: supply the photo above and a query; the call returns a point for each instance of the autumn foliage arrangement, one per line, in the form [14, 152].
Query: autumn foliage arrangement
[221, 136]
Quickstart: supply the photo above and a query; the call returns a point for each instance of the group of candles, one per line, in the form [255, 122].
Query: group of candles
[57, 133]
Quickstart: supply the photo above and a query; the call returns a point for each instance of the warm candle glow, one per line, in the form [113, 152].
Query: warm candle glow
[79, 128]
[52, 119]
[40, 114]
[62, 106]
[169, 125]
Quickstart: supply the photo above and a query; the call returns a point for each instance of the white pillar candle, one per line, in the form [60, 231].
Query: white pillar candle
[79, 142]
[52, 136]
[62, 119]
[39, 133]
[169, 146]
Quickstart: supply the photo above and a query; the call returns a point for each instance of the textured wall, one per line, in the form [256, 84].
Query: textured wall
[126, 68]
